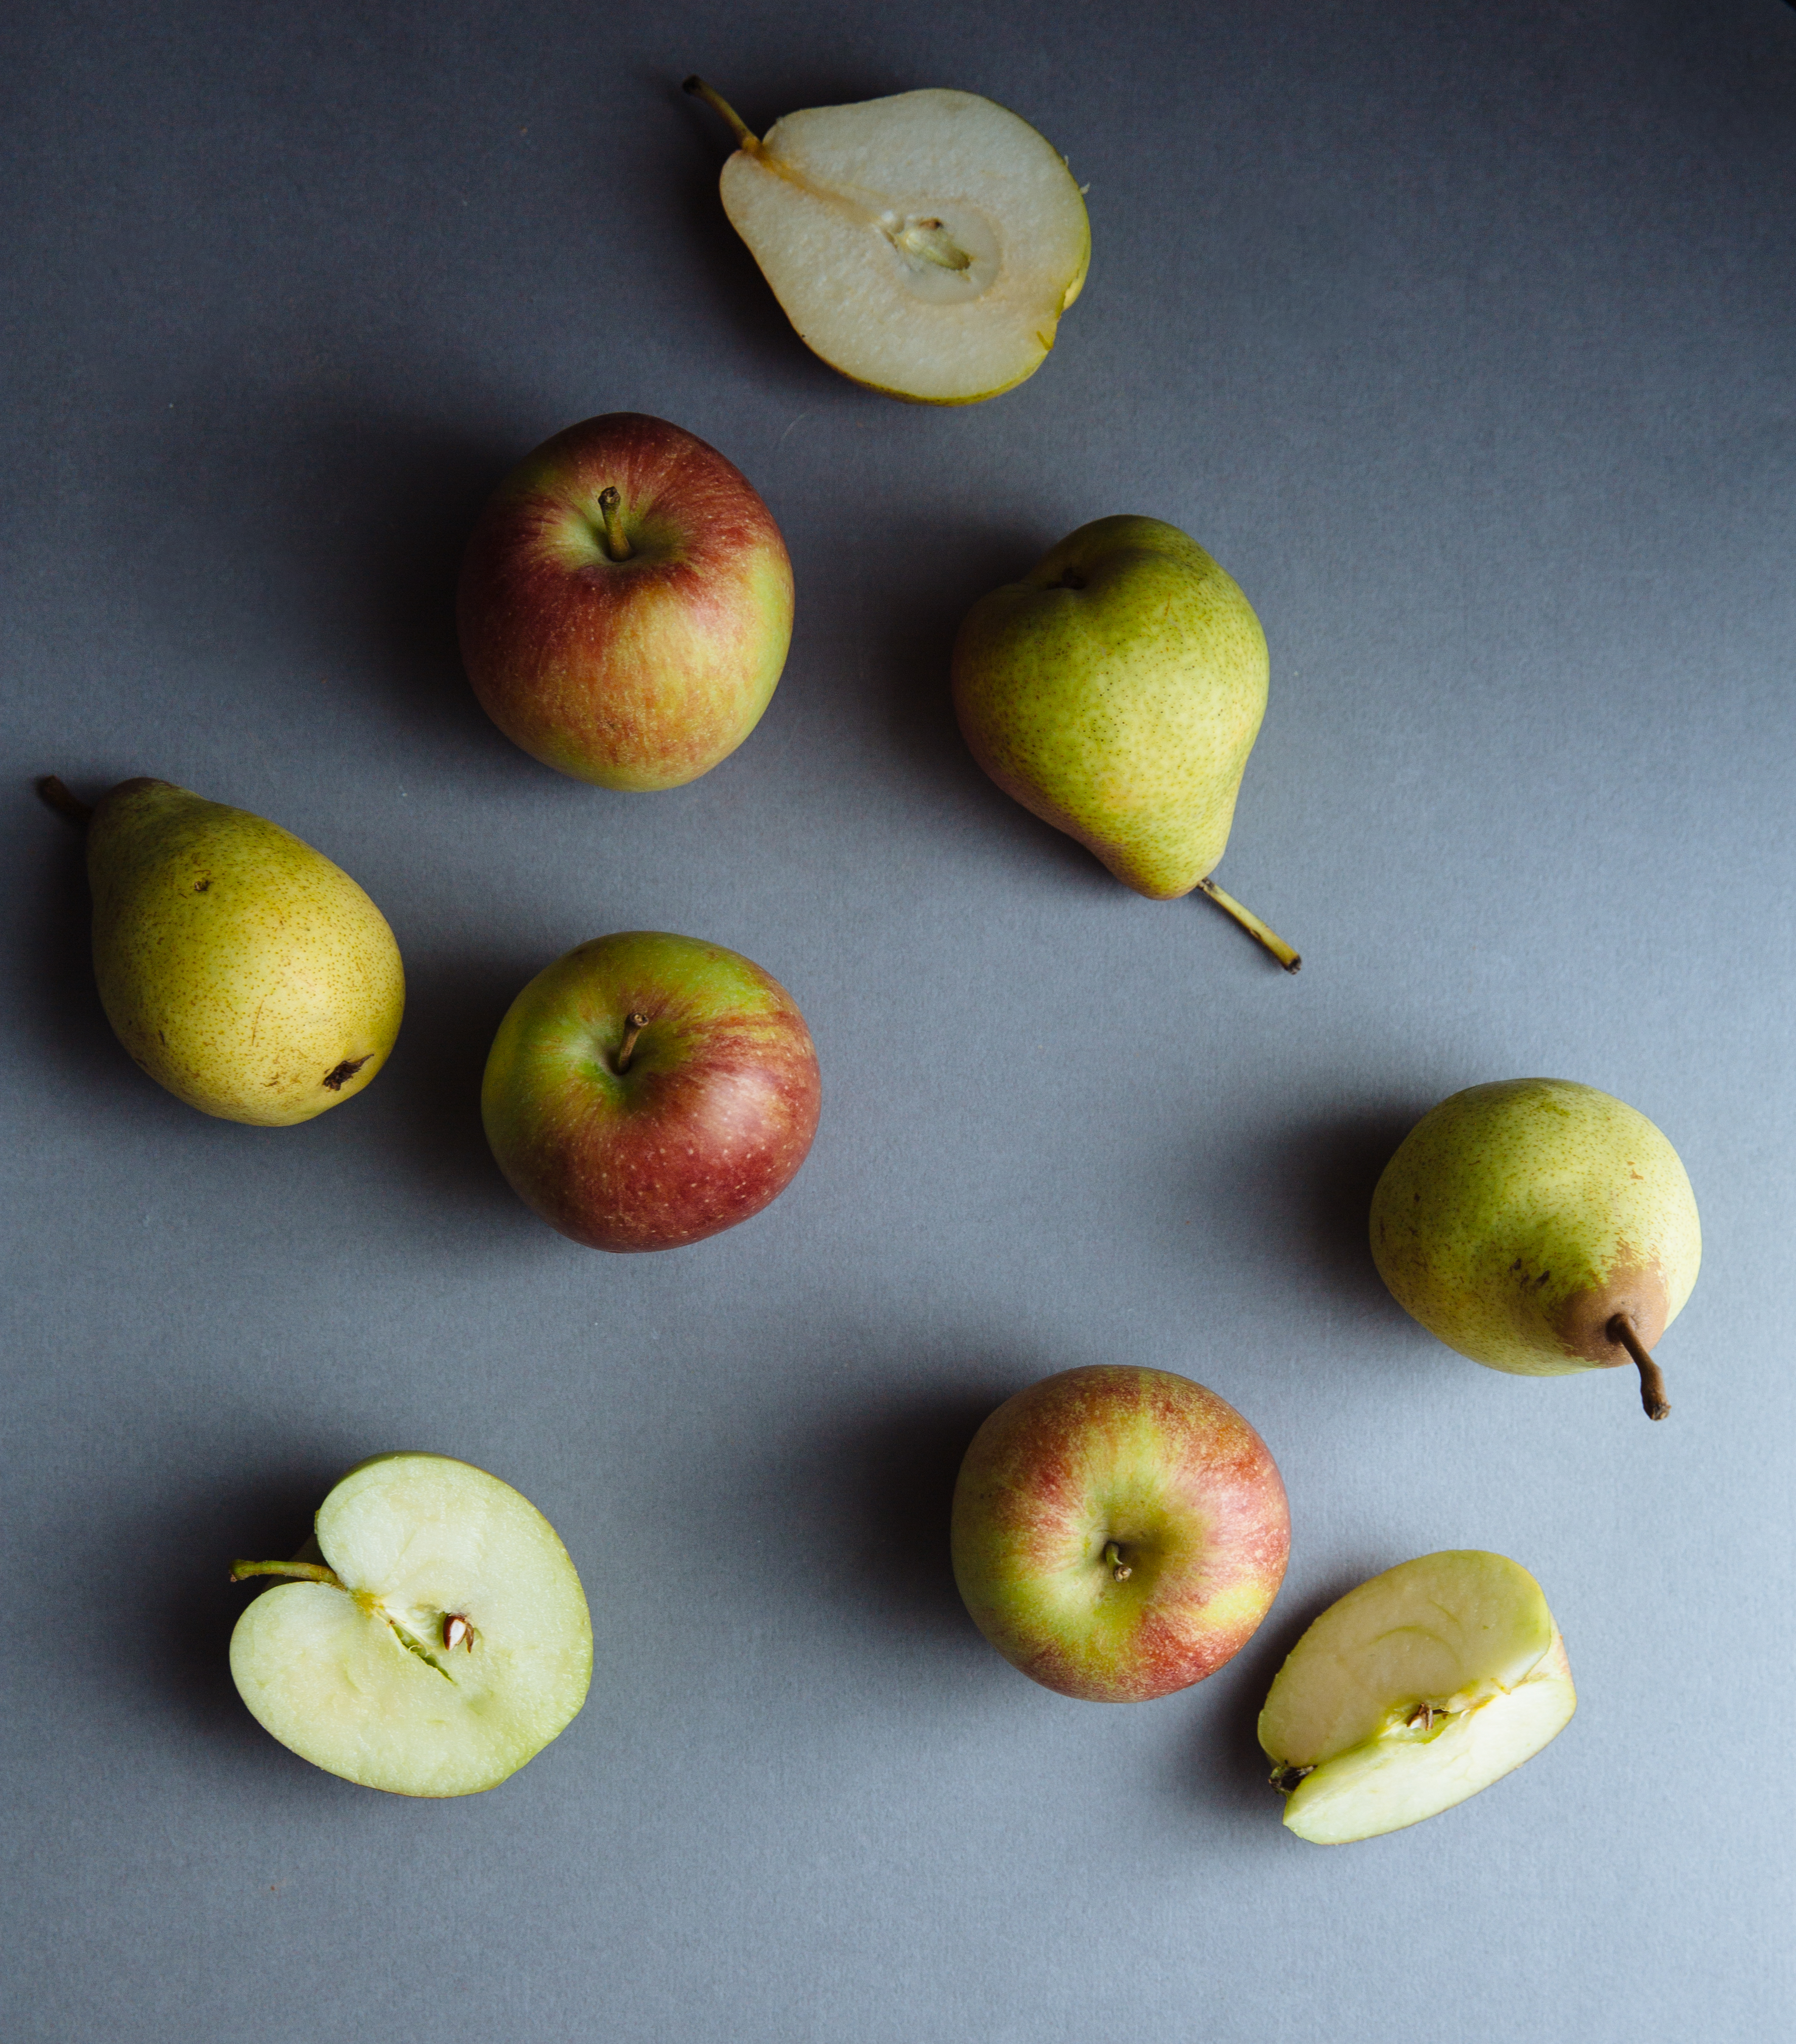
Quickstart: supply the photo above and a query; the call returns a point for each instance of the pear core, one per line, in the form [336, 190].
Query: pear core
[925, 244]
[441, 1642]
[1414, 1691]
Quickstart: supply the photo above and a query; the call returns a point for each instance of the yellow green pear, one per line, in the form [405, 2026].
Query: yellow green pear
[1115, 692]
[1540, 1227]
[240, 968]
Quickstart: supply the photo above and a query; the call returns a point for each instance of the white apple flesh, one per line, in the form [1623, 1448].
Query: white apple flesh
[1413, 1692]
[442, 1642]
[925, 244]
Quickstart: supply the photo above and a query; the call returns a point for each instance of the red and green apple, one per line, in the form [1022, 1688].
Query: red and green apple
[648, 1090]
[625, 604]
[1118, 1532]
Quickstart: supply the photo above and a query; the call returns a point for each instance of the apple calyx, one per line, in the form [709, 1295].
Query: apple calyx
[1119, 1568]
[637, 1023]
[70, 807]
[715, 101]
[316, 1572]
[1653, 1401]
[1261, 932]
[617, 542]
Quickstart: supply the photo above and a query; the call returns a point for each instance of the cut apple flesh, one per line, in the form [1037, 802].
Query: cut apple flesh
[926, 245]
[1414, 1691]
[452, 1645]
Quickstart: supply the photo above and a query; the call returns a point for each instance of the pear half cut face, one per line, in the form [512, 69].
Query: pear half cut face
[1414, 1691]
[926, 245]
[454, 1645]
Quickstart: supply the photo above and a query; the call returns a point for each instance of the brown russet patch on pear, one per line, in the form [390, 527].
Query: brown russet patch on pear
[1634, 1287]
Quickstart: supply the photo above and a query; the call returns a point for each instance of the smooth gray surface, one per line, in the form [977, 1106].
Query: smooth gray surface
[1466, 337]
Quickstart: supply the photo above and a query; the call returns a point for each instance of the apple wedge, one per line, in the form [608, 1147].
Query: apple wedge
[1416, 1690]
[925, 245]
[440, 1641]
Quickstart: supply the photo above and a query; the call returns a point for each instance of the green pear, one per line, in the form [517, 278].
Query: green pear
[1116, 692]
[925, 244]
[1539, 1227]
[240, 968]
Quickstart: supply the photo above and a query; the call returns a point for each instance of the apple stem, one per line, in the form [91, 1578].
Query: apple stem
[1255, 928]
[1119, 1568]
[1653, 1401]
[616, 544]
[638, 1024]
[310, 1572]
[70, 808]
[715, 101]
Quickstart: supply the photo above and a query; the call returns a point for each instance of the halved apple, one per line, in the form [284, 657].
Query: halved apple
[440, 1640]
[1416, 1690]
[926, 245]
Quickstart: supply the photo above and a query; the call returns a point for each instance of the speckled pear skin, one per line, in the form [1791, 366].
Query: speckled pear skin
[1517, 1219]
[241, 969]
[1116, 692]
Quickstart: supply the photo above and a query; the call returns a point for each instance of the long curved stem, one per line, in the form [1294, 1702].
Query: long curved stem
[69, 807]
[1653, 1401]
[718, 104]
[307, 1572]
[1260, 931]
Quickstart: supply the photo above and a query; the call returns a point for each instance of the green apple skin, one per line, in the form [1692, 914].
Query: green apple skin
[358, 1674]
[709, 1122]
[1116, 692]
[637, 673]
[1518, 1219]
[1416, 1690]
[1108, 1466]
[240, 969]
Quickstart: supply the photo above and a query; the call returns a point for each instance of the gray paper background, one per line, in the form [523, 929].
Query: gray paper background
[1465, 336]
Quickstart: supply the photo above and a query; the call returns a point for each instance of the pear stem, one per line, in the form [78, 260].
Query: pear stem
[1119, 1568]
[1255, 928]
[718, 104]
[70, 808]
[617, 545]
[638, 1024]
[1653, 1401]
[309, 1572]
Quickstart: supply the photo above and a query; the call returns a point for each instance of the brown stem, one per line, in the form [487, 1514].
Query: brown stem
[617, 543]
[308, 1572]
[1119, 1568]
[1653, 1401]
[70, 808]
[1252, 923]
[638, 1024]
[718, 104]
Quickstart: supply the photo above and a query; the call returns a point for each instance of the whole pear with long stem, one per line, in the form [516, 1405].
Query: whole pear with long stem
[1539, 1227]
[1115, 692]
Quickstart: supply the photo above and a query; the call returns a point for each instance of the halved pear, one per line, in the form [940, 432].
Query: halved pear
[926, 245]
[441, 1640]
[1416, 1690]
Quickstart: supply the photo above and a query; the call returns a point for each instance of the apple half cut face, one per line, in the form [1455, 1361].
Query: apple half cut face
[1414, 1691]
[441, 1642]
[925, 244]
